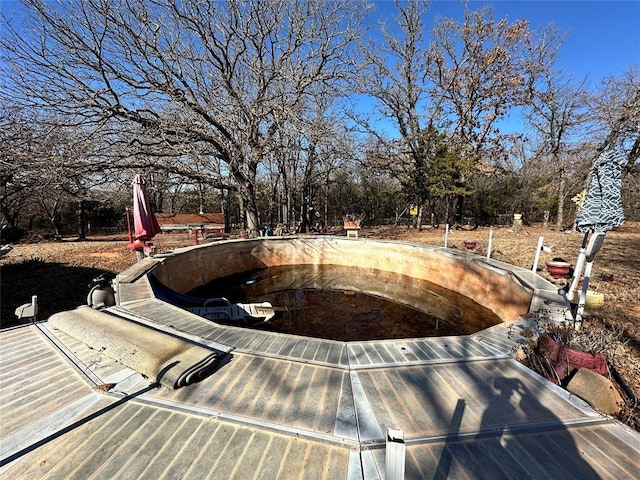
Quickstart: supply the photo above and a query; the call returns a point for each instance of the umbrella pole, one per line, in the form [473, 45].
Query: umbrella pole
[583, 296]
[129, 226]
[597, 239]
[577, 271]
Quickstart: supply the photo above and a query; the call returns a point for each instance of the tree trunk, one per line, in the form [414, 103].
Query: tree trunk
[246, 181]
[56, 228]
[273, 203]
[201, 198]
[447, 210]
[326, 206]
[225, 211]
[303, 213]
[561, 195]
[250, 208]
[81, 222]
[459, 209]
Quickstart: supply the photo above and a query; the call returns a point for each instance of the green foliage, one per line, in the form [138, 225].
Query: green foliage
[438, 170]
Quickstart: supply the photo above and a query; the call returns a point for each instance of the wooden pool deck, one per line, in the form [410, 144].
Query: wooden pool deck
[292, 407]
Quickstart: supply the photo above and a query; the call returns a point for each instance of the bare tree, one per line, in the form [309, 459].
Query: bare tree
[304, 156]
[557, 111]
[467, 80]
[16, 137]
[44, 166]
[396, 72]
[396, 79]
[221, 77]
[480, 69]
[616, 108]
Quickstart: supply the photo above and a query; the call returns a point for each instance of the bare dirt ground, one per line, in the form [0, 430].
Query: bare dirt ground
[60, 273]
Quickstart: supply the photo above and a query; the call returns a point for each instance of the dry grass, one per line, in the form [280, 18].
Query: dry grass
[60, 274]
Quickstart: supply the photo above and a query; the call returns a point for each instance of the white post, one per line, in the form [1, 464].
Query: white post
[590, 254]
[446, 236]
[490, 244]
[538, 250]
[34, 306]
[577, 273]
[583, 296]
[395, 455]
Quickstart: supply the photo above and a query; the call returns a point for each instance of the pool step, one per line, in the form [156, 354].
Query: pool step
[236, 312]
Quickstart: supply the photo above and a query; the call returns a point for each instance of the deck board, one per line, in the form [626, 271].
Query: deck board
[296, 406]
[33, 390]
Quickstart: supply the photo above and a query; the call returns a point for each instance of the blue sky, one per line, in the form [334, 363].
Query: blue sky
[603, 37]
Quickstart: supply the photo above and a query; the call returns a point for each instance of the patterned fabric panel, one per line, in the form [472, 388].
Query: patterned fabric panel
[602, 208]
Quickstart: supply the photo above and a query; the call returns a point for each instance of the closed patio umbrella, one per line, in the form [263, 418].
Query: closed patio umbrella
[602, 211]
[144, 221]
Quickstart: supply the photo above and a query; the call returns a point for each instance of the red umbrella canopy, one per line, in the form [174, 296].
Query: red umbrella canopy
[144, 221]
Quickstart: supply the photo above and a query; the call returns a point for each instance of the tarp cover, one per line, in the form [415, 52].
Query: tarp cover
[171, 361]
[602, 209]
